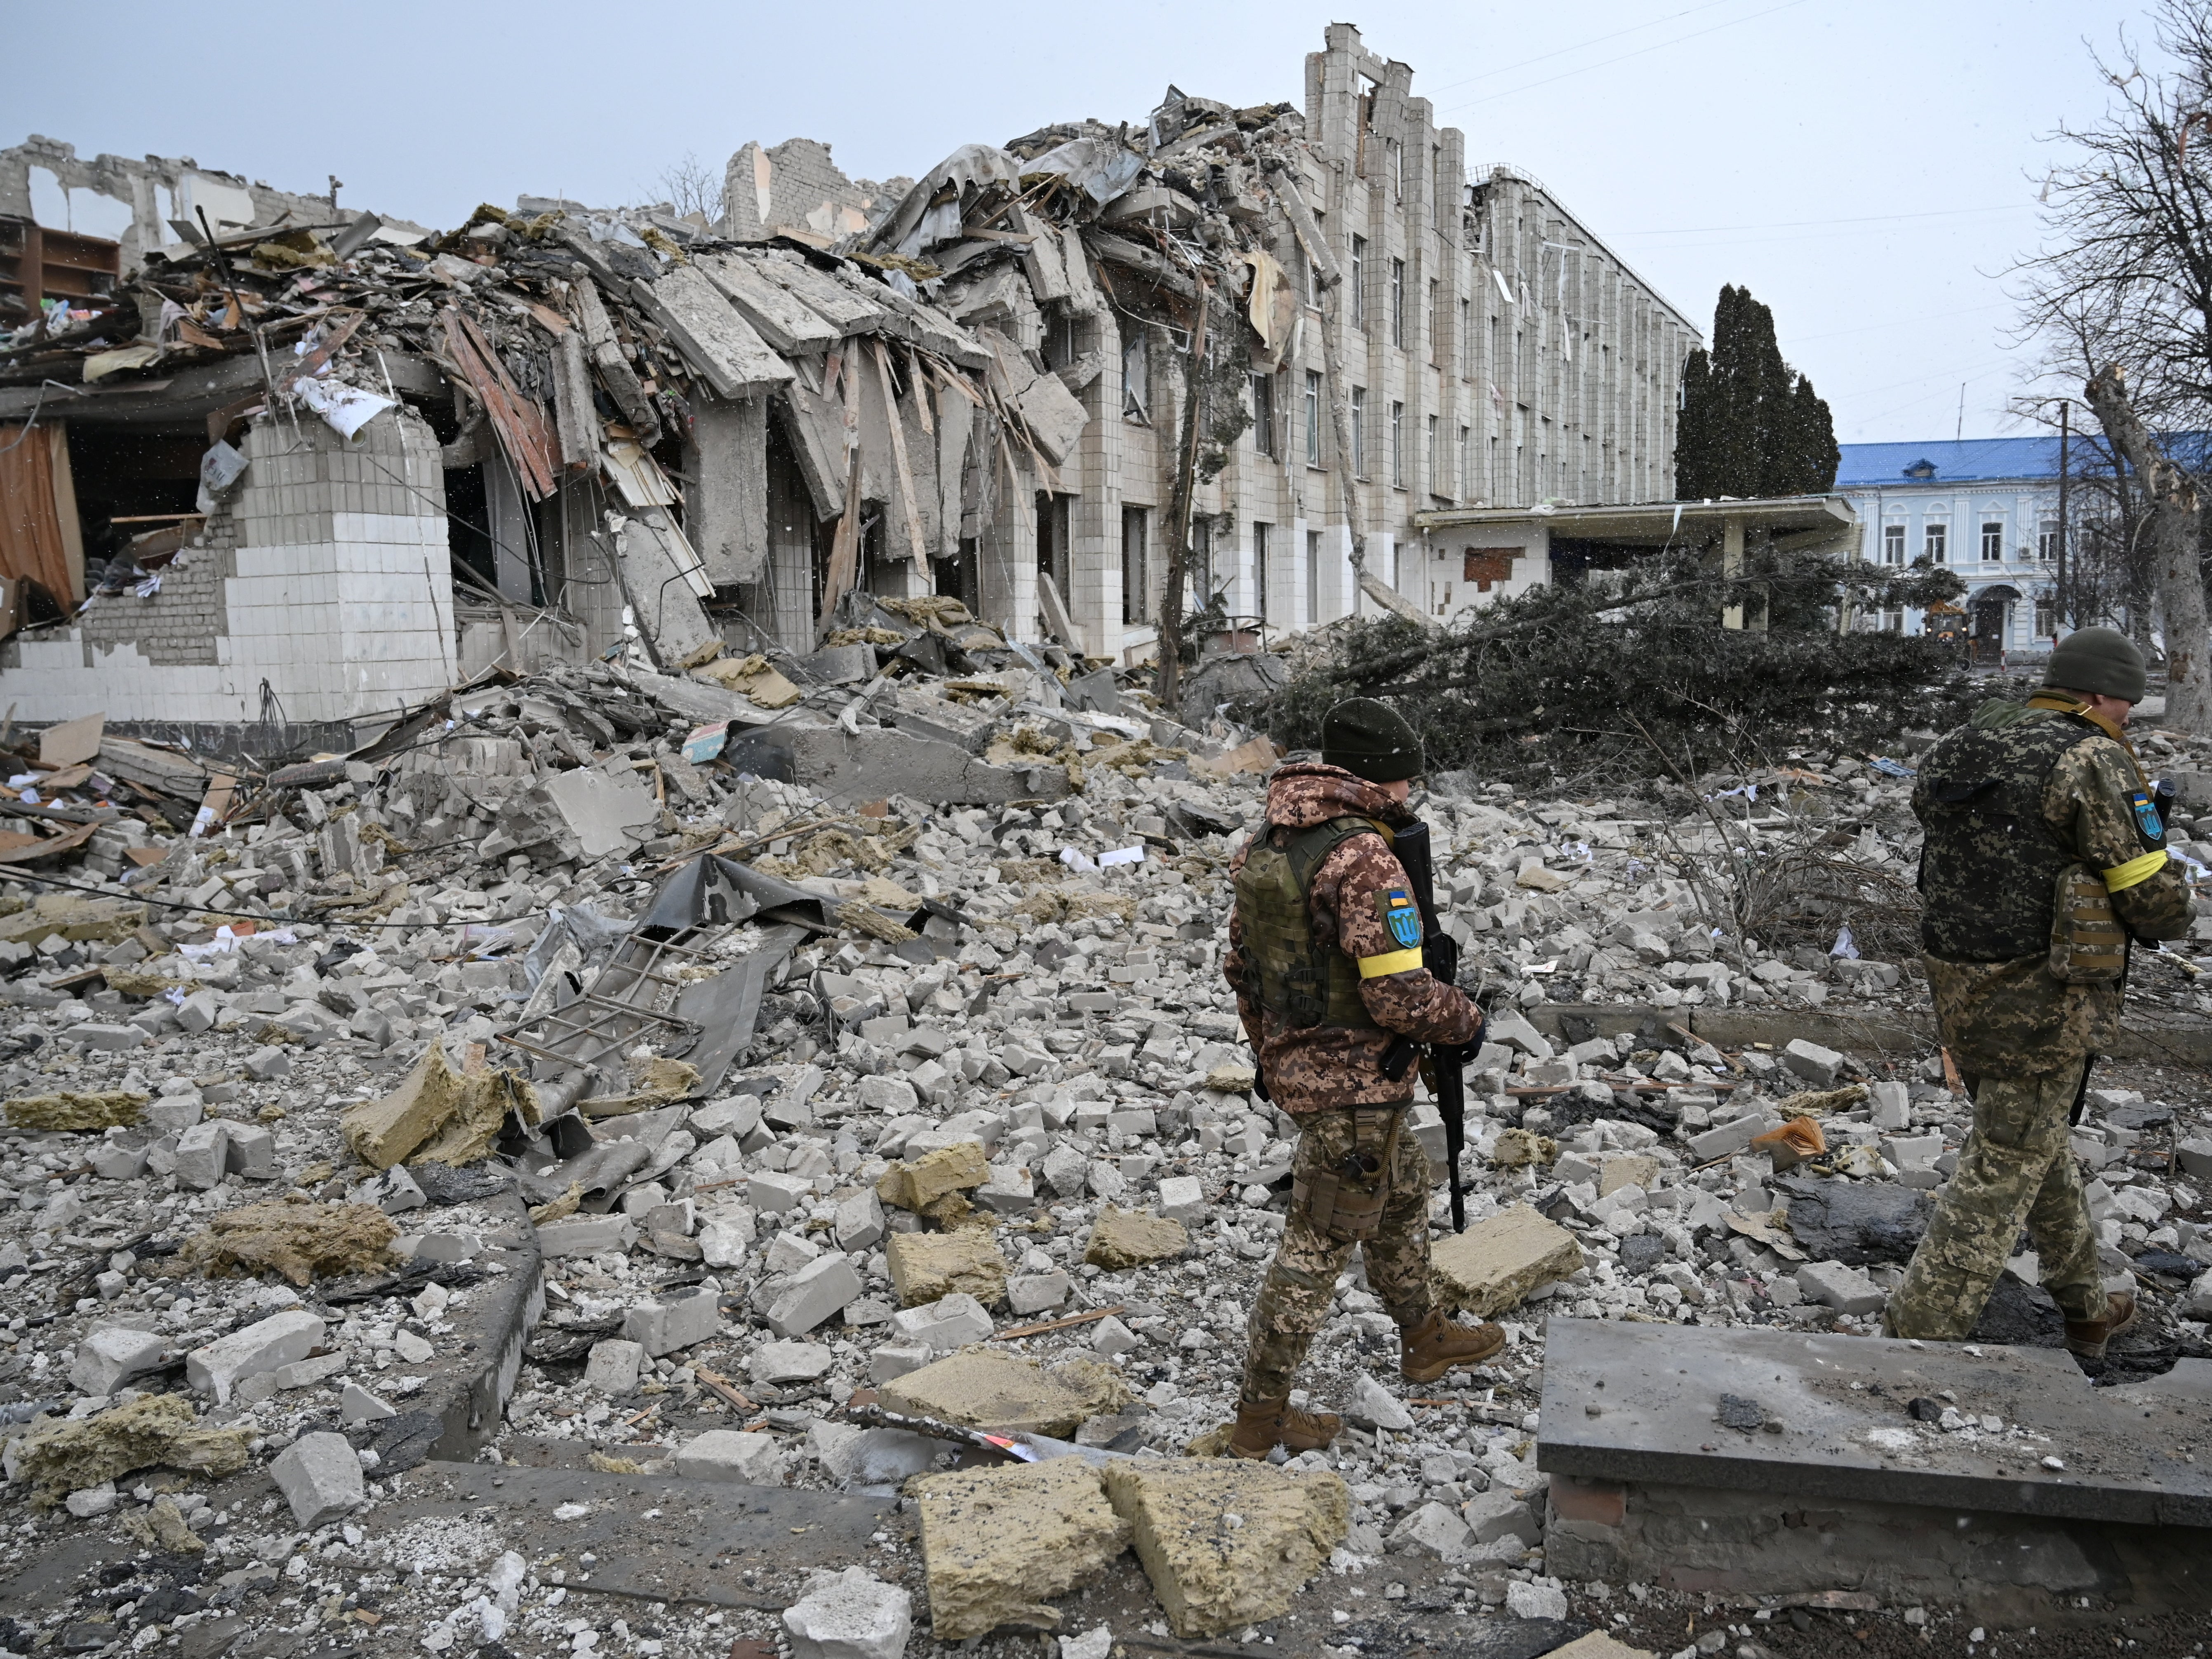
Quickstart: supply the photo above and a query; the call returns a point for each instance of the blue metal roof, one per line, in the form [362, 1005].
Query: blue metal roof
[1972, 460]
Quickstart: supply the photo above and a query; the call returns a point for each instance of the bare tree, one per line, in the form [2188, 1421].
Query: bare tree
[2123, 298]
[691, 186]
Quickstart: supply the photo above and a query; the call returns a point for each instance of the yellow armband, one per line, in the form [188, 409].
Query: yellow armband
[1390, 962]
[2121, 876]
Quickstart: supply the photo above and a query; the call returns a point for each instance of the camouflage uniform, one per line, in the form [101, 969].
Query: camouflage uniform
[2021, 1036]
[1325, 1075]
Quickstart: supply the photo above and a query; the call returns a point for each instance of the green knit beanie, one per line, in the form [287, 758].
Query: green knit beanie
[1371, 740]
[2099, 659]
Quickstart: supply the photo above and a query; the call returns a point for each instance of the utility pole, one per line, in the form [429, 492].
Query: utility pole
[2065, 594]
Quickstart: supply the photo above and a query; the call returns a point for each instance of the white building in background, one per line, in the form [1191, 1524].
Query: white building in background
[1988, 507]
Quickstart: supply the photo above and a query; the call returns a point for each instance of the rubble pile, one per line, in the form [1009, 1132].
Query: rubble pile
[799, 1102]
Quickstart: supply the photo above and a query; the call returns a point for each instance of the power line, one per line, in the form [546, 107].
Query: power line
[1794, 224]
[1580, 45]
[1491, 97]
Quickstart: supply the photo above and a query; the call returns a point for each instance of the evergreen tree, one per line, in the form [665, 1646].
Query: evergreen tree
[1750, 424]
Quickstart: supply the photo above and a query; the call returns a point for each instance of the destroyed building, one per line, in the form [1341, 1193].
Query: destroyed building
[322, 471]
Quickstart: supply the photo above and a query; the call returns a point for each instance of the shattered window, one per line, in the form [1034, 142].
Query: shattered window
[1136, 378]
[1397, 302]
[1263, 414]
[1260, 571]
[1359, 283]
[1359, 431]
[1313, 418]
[1313, 575]
[1429, 458]
[1398, 445]
[1132, 564]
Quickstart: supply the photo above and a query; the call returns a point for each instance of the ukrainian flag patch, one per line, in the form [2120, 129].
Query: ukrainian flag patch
[1400, 915]
[2147, 819]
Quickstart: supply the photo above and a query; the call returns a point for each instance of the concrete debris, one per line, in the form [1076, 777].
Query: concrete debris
[990, 1388]
[928, 1267]
[627, 1027]
[1227, 1544]
[1128, 1238]
[1495, 1263]
[1000, 1545]
[851, 1615]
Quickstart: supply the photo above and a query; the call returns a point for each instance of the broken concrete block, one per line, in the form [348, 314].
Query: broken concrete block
[895, 1359]
[851, 1615]
[1726, 1139]
[1433, 1530]
[1497, 1513]
[726, 1238]
[1034, 1294]
[1109, 1337]
[1000, 1544]
[732, 1455]
[1066, 1171]
[1890, 1104]
[601, 812]
[662, 1327]
[926, 1267]
[613, 1366]
[200, 1154]
[1130, 1238]
[321, 1478]
[1211, 1573]
[1817, 1065]
[263, 1346]
[1374, 1406]
[1182, 1198]
[92, 1502]
[268, 1063]
[774, 1192]
[252, 1152]
[859, 1222]
[1847, 1290]
[357, 1405]
[982, 1388]
[780, 1364]
[1495, 1263]
[1535, 1600]
[817, 1291]
[958, 1168]
[586, 1235]
[108, 1356]
[945, 1325]
[1008, 1192]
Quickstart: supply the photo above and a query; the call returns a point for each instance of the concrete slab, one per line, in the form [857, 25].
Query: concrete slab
[1829, 1417]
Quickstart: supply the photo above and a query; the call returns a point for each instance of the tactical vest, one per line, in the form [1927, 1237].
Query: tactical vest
[1289, 970]
[1989, 863]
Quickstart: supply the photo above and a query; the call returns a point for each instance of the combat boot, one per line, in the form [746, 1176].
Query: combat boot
[2086, 1337]
[1437, 1344]
[1265, 1424]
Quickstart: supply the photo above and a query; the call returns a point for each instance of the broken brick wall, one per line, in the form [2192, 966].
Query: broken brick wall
[326, 579]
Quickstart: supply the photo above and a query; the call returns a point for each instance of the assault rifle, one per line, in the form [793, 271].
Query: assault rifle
[1447, 1062]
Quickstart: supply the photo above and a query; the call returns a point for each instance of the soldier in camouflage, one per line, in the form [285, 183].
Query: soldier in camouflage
[1325, 956]
[2043, 855]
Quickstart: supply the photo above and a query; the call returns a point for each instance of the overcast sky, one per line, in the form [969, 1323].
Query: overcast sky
[1867, 167]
